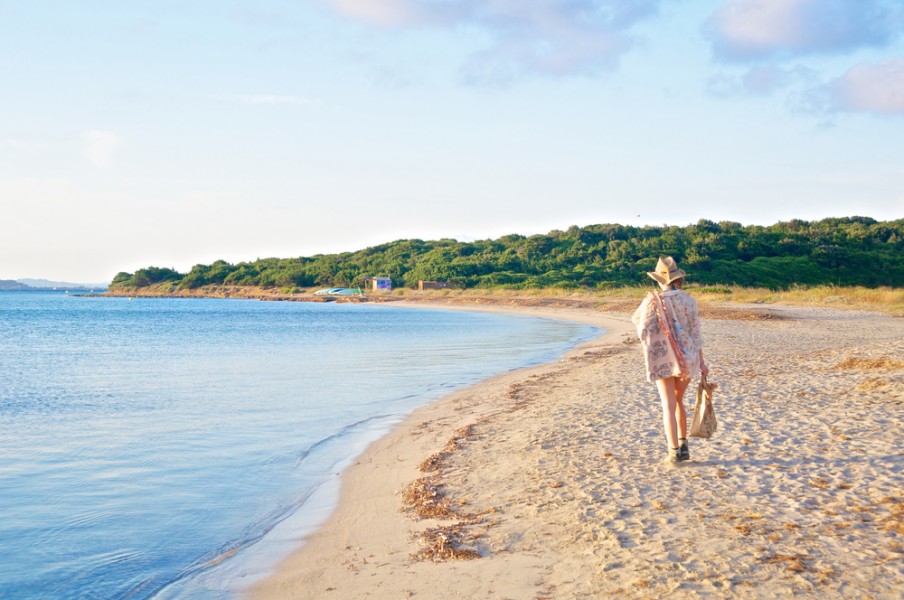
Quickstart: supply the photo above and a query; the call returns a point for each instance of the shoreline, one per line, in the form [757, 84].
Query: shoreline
[552, 475]
[376, 477]
[285, 538]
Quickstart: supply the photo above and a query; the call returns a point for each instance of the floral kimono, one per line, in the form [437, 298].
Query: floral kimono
[665, 357]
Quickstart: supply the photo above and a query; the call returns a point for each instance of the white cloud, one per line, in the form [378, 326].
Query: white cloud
[876, 88]
[765, 79]
[765, 35]
[554, 51]
[381, 12]
[99, 146]
[761, 80]
[549, 37]
[757, 29]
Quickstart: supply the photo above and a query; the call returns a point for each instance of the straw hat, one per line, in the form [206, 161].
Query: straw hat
[666, 271]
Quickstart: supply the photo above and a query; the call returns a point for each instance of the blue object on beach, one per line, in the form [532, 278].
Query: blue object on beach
[339, 292]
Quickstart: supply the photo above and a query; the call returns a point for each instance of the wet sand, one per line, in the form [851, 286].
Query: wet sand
[549, 482]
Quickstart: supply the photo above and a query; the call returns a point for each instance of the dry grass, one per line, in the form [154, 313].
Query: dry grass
[434, 462]
[873, 384]
[894, 522]
[752, 523]
[895, 526]
[854, 363]
[425, 498]
[626, 299]
[437, 461]
[794, 563]
[622, 299]
[448, 542]
[708, 311]
[885, 299]
[826, 574]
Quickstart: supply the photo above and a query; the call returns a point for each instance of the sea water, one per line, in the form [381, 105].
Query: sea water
[180, 447]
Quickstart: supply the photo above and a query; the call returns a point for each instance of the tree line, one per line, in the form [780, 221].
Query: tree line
[837, 251]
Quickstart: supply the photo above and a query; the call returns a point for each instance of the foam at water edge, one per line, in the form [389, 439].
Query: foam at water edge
[242, 569]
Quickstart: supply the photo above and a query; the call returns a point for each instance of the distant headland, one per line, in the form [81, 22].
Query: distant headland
[10, 285]
[34, 285]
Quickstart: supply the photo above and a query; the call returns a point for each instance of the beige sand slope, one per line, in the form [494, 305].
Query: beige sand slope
[554, 477]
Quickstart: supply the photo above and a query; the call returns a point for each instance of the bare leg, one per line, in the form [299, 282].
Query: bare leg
[666, 389]
[680, 412]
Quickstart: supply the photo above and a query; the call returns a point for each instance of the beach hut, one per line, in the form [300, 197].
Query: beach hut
[378, 284]
[382, 284]
[432, 285]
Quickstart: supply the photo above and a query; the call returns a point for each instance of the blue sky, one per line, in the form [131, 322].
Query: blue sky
[171, 133]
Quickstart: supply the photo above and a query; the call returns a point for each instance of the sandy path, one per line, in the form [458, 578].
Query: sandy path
[558, 481]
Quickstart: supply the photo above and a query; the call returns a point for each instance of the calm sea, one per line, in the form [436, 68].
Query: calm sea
[178, 448]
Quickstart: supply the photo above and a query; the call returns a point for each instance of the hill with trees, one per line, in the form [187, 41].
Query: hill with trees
[837, 251]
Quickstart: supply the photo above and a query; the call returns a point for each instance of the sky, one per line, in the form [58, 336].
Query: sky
[171, 133]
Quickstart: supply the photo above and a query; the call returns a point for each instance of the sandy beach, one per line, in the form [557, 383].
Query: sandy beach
[549, 482]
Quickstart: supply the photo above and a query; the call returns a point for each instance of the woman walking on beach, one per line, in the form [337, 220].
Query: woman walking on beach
[668, 325]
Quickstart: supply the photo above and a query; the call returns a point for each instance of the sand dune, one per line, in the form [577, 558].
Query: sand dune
[550, 482]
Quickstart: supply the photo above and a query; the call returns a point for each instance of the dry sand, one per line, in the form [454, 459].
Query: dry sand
[554, 476]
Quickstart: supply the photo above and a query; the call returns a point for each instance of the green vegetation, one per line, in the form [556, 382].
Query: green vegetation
[851, 251]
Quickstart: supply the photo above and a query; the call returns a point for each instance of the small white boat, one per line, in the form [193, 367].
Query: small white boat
[339, 292]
